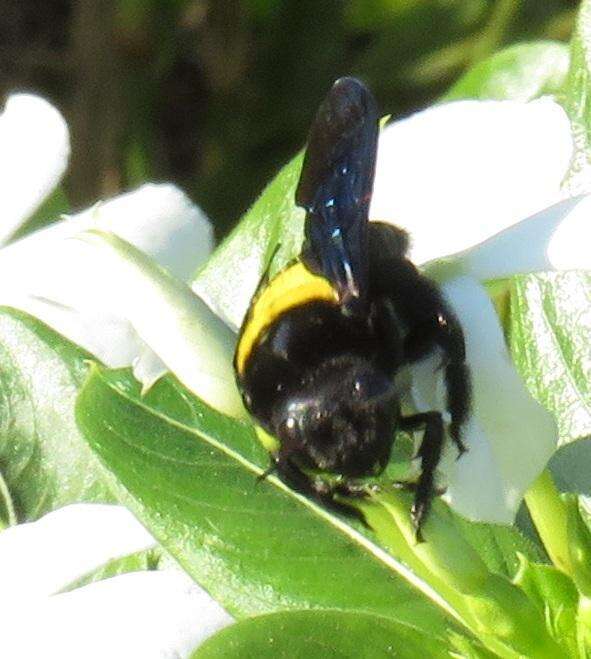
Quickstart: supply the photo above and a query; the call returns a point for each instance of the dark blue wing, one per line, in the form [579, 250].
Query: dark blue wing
[335, 189]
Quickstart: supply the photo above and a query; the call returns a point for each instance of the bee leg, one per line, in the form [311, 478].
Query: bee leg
[421, 307]
[457, 382]
[351, 489]
[411, 486]
[450, 338]
[316, 489]
[268, 471]
[444, 331]
[430, 454]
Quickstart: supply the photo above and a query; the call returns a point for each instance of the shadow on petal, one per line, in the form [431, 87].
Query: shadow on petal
[554, 239]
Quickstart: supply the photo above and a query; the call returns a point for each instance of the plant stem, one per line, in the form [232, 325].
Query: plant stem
[493, 34]
[6, 499]
[496, 611]
[584, 625]
[549, 515]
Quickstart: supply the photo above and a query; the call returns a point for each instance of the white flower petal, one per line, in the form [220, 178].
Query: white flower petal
[509, 435]
[34, 152]
[141, 614]
[152, 615]
[53, 278]
[169, 317]
[109, 337]
[43, 557]
[460, 172]
[161, 221]
[557, 238]
[158, 219]
[148, 368]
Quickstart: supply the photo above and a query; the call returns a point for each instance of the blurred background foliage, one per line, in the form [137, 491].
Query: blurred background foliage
[215, 95]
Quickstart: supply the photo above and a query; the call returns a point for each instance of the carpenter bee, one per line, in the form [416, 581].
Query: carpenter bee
[322, 344]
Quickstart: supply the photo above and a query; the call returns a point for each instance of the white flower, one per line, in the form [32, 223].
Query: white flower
[54, 278]
[148, 614]
[454, 176]
[34, 153]
[458, 173]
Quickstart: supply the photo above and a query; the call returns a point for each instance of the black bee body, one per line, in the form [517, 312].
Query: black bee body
[323, 342]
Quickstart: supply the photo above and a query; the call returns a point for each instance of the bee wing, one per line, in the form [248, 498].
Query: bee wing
[335, 189]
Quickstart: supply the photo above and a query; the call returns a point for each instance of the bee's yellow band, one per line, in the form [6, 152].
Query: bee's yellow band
[291, 288]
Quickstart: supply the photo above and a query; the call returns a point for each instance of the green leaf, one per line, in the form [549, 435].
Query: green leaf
[521, 72]
[147, 559]
[584, 627]
[576, 98]
[230, 277]
[571, 466]
[321, 634]
[256, 548]
[555, 594]
[549, 336]
[49, 212]
[579, 541]
[45, 462]
[468, 649]
[498, 546]
[498, 613]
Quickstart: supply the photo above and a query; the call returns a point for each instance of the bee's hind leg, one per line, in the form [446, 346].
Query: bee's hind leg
[430, 454]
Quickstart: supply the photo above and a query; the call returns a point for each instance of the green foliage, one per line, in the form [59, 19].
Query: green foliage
[522, 72]
[270, 234]
[255, 547]
[549, 335]
[571, 465]
[321, 584]
[556, 596]
[44, 460]
[147, 559]
[577, 104]
[321, 634]
[51, 209]
[499, 546]
[579, 542]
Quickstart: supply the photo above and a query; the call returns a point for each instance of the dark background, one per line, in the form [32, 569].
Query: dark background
[216, 94]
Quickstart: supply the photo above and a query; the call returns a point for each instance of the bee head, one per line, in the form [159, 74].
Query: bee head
[345, 422]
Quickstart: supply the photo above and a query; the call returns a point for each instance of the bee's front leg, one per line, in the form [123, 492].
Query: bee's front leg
[314, 487]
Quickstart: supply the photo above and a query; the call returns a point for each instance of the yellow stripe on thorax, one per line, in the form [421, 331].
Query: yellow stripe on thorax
[291, 288]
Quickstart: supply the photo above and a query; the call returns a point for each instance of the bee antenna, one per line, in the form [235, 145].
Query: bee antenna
[268, 471]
